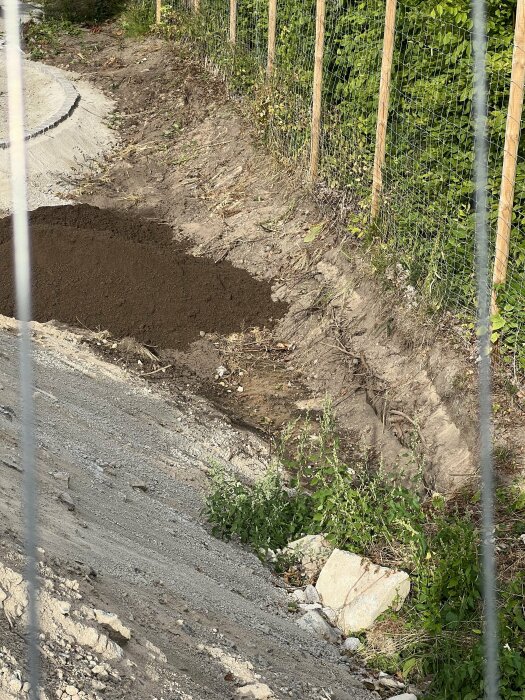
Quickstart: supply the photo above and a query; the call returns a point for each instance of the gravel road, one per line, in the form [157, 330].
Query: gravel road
[137, 462]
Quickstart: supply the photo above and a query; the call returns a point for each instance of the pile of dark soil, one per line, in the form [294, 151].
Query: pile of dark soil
[103, 269]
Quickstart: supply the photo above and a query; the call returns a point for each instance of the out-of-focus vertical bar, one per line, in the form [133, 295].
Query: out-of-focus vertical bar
[480, 110]
[22, 262]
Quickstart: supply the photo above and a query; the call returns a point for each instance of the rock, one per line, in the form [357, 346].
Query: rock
[99, 670]
[359, 591]
[113, 626]
[404, 696]
[139, 485]
[310, 606]
[255, 691]
[330, 615]
[97, 685]
[390, 683]
[315, 623]
[311, 552]
[64, 477]
[352, 644]
[314, 405]
[310, 594]
[298, 595]
[66, 499]
[71, 690]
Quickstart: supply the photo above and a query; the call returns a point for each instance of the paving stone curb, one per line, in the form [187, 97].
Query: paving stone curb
[68, 106]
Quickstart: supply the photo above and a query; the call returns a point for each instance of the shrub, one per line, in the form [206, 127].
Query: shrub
[138, 17]
[264, 515]
[362, 509]
[83, 12]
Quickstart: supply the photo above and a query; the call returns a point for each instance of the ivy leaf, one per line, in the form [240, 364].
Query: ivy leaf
[497, 322]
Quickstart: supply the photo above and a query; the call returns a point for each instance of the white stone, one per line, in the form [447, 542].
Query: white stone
[298, 595]
[71, 690]
[404, 696]
[310, 606]
[330, 614]
[390, 683]
[310, 594]
[99, 670]
[352, 644]
[315, 623]
[359, 591]
[312, 552]
[113, 625]
[255, 691]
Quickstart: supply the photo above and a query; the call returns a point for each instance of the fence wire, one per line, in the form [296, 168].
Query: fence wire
[424, 234]
[437, 222]
[436, 229]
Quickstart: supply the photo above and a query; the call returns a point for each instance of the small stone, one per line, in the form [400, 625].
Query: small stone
[310, 606]
[298, 595]
[71, 690]
[314, 405]
[255, 691]
[99, 670]
[330, 615]
[98, 685]
[314, 622]
[391, 683]
[62, 476]
[66, 499]
[113, 625]
[404, 696]
[139, 486]
[352, 644]
[311, 595]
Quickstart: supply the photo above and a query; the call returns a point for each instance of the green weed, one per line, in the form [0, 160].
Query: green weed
[361, 508]
[138, 18]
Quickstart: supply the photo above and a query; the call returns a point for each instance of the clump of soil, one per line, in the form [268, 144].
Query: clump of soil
[103, 269]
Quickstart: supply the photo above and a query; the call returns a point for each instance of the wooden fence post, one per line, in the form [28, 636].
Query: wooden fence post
[510, 157]
[384, 100]
[157, 11]
[233, 21]
[196, 6]
[272, 26]
[317, 89]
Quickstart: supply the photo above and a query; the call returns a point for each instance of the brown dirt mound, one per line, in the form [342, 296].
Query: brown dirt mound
[106, 270]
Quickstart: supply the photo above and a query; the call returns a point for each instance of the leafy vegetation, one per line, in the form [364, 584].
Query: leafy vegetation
[42, 38]
[138, 18]
[85, 12]
[364, 510]
[427, 217]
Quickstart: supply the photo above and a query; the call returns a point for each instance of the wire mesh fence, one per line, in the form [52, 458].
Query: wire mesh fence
[424, 231]
[426, 220]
